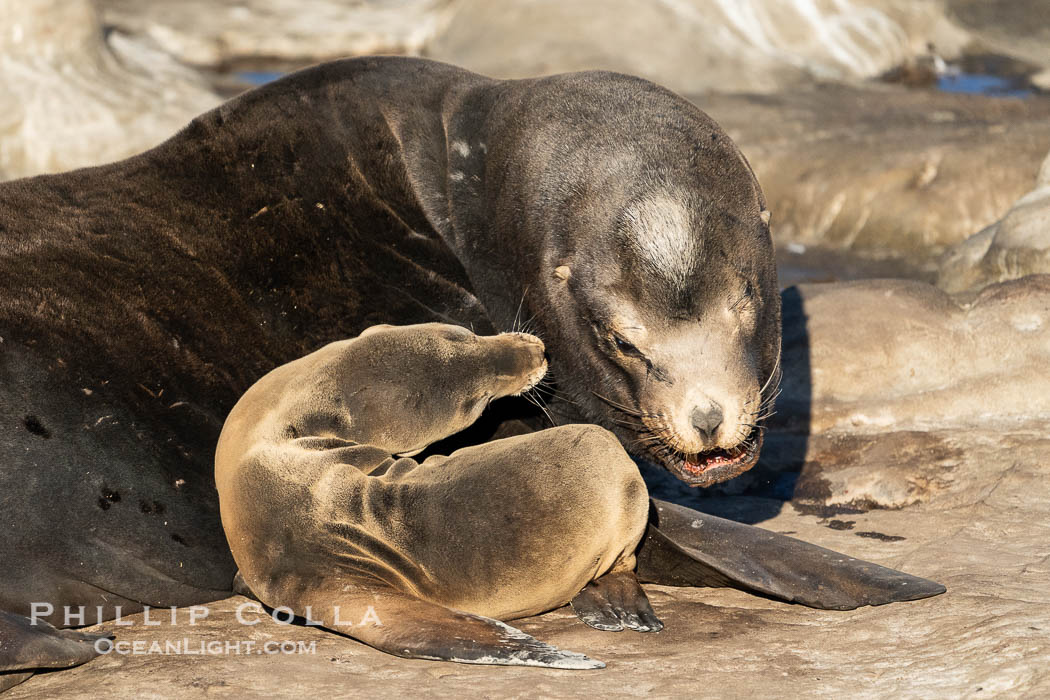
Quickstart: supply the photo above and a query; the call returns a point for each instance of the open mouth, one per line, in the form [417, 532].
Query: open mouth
[712, 466]
[695, 469]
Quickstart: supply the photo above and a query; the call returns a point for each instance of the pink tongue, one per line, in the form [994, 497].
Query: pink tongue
[713, 460]
[698, 467]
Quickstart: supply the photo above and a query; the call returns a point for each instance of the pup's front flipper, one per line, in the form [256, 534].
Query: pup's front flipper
[27, 647]
[412, 628]
[615, 602]
[685, 548]
[240, 587]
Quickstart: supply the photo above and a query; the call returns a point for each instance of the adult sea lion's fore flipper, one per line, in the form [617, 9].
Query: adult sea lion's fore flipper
[413, 628]
[683, 547]
[616, 602]
[25, 646]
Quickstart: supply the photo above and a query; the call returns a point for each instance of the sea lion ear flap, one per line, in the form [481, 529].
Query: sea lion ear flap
[372, 329]
[563, 272]
[765, 216]
[683, 547]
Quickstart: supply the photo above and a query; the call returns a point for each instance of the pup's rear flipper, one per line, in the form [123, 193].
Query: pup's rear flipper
[412, 628]
[685, 548]
[27, 647]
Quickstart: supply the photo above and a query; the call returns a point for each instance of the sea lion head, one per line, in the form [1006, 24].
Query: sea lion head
[678, 331]
[651, 272]
[417, 372]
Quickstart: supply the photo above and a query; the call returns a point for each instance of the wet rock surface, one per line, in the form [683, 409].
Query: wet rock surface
[1018, 28]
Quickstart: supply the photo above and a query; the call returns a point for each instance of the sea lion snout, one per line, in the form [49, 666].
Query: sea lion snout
[698, 421]
[700, 417]
[707, 418]
[523, 362]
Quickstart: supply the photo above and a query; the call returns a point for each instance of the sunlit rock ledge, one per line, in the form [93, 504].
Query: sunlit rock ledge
[687, 45]
[1012, 247]
[877, 355]
[73, 96]
[882, 171]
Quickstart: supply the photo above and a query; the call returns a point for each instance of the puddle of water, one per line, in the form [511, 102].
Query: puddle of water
[254, 78]
[989, 75]
[981, 84]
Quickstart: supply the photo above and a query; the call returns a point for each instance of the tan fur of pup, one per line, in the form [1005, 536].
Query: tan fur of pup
[324, 518]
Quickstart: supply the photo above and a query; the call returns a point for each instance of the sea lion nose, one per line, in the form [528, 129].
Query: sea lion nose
[706, 420]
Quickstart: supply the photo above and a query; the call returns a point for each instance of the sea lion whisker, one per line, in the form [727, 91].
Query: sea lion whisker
[555, 393]
[536, 401]
[776, 372]
[529, 325]
[649, 439]
[517, 314]
[619, 406]
[627, 424]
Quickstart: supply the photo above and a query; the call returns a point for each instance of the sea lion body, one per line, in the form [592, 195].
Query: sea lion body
[139, 300]
[322, 515]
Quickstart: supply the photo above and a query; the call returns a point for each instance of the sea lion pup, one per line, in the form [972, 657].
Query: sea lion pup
[324, 518]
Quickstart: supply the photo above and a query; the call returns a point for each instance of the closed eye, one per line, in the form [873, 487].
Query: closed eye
[746, 298]
[628, 348]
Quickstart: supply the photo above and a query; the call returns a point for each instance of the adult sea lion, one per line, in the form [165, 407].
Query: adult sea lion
[138, 300]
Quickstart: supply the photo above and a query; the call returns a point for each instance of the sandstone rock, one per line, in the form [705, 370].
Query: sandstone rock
[70, 96]
[1015, 246]
[885, 171]
[694, 45]
[1017, 28]
[688, 45]
[879, 355]
[292, 31]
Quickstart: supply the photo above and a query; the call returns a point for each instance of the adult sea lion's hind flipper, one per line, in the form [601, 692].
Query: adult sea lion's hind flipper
[25, 646]
[685, 548]
[417, 629]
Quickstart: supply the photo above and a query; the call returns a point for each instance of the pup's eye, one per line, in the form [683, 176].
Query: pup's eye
[749, 289]
[626, 348]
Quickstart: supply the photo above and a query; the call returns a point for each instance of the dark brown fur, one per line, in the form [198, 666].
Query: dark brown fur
[138, 300]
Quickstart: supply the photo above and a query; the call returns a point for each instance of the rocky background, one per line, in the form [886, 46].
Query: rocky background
[912, 219]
